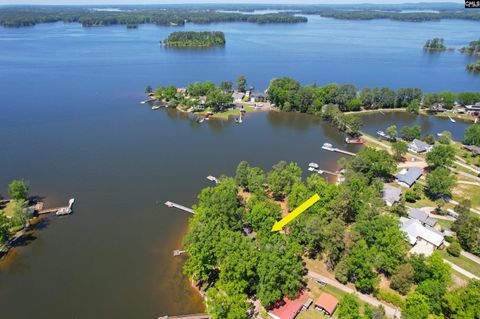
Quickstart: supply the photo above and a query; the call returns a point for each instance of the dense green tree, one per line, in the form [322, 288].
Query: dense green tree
[200, 88]
[195, 39]
[440, 183]
[241, 83]
[373, 163]
[226, 85]
[403, 279]
[341, 271]
[262, 213]
[454, 249]
[282, 177]
[468, 98]
[366, 97]
[414, 106]
[241, 176]
[283, 90]
[219, 100]
[4, 228]
[467, 228]
[441, 155]
[406, 95]
[472, 135]
[399, 148]
[416, 307]
[392, 131]
[148, 89]
[462, 303]
[445, 138]
[354, 105]
[349, 307]
[18, 189]
[221, 305]
[410, 133]
[429, 139]
[17, 213]
[434, 291]
[256, 179]
[360, 267]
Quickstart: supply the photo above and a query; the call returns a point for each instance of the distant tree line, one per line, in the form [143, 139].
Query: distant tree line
[21, 17]
[195, 39]
[400, 16]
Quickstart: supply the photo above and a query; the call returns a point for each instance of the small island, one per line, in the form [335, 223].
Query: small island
[473, 48]
[435, 44]
[190, 39]
[474, 67]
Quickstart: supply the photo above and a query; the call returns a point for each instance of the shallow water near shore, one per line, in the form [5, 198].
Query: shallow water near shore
[72, 125]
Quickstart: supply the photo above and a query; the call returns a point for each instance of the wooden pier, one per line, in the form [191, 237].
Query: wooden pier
[184, 208]
[212, 179]
[54, 209]
[192, 316]
[148, 100]
[333, 149]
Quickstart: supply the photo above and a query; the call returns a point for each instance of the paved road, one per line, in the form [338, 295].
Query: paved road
[391, 312]
[461, 270]
[470, 256]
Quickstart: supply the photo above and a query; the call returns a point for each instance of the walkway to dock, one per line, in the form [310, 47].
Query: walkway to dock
[170, 204]
[55, 209]
[333, 149]
[192, 316]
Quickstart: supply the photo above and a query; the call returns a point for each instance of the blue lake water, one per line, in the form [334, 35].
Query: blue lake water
[71, 124]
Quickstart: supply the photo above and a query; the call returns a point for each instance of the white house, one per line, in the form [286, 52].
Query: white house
[418, 146]
[423, 239]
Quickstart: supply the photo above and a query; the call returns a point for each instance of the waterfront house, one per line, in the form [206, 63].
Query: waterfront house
[408, 176]
[391, 194]
[421, 216]
[423, 239]
[289, 308]
[473, 109]
[472, 148]
[438, 107]
[327, 304]
[258, 97]
[418, 146]
[237, 97]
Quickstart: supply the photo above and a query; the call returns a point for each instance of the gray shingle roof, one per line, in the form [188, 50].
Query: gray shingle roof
[420, 215]
[419, 146]
[409, 176]
[391, 194]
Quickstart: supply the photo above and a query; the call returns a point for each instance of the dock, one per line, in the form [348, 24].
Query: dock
[184, 208]
[192, 316]
[212, 179]
[178, 252]
[56, 209]
[148, 100]
[333, 149]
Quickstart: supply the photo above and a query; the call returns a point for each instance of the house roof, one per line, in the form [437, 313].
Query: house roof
[290, 308]
[414, 229]
[419, 146]
[409, 176]
[391, 194]
[258, 94]
[420, 215]
[472, 148]
[327, 302]
[238, 95]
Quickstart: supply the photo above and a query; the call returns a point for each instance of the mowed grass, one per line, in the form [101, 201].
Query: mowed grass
[462, 261]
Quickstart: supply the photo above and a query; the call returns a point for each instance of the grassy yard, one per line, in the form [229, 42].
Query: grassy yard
[225, 115]
[445, 224]
[462, 261]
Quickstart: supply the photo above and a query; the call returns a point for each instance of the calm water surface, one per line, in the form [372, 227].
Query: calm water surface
[71, 124]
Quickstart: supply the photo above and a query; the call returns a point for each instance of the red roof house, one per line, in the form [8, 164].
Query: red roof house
[288, 308]
[326, 303]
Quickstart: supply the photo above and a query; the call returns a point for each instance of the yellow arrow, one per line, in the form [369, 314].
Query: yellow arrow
[297, 211]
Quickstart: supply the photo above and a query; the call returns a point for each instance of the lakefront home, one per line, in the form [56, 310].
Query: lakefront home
[258, 96]
[408, 176]
[418, 146]
[421, 216]
[237, 97]
[423, 239]
[391, 194]
[473, 109]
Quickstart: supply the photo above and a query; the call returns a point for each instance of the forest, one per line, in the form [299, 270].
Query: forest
[401, 16]
[195, 39]
[236, 258]
[29, 16]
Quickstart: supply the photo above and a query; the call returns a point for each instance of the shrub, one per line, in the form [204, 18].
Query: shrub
[454, 249]
[390, 297]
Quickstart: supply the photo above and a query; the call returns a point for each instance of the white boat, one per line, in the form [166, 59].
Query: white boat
[451, 120]
[439, 134]
[314, 165]
[200, 120]
[64, 211]
[312, 169]
[328, 145]
[156, 107]
[320, 171]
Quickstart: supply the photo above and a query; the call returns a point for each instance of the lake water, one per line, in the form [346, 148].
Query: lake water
[71, 124]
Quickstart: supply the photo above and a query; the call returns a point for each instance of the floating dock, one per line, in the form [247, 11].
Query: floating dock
[333, 149]
[192, 316]
[212, 179]
[184, 208]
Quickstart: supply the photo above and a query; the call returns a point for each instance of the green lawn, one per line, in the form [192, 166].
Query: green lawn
[445, 224]
[462, 261]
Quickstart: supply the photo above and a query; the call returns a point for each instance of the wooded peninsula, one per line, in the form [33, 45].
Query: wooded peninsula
[195, 39]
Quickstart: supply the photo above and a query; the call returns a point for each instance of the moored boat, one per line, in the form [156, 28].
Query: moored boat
[353, 140]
